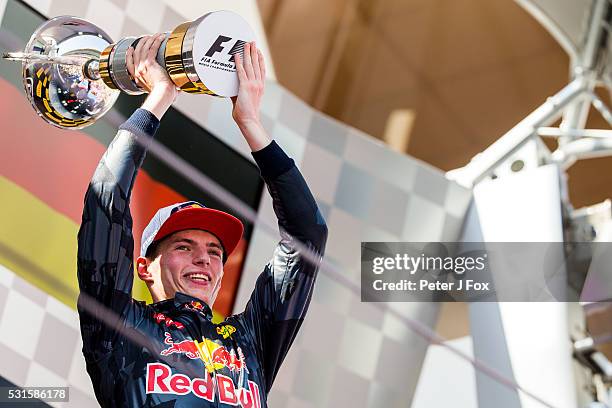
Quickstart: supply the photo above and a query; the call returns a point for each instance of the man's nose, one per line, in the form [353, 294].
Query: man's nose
[201, 257]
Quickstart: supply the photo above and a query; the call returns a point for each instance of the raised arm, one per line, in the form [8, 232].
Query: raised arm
[105, 240]
[283, 291]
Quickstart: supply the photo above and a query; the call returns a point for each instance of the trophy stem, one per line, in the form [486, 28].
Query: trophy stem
[91, 69]
[33, 57]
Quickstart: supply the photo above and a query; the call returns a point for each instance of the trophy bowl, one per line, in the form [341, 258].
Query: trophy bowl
[53, 75]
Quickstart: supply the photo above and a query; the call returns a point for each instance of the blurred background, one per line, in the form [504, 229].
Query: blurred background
[384, 104]
[439, 80]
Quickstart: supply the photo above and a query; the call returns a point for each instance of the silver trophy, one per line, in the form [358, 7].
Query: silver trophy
[73, 71]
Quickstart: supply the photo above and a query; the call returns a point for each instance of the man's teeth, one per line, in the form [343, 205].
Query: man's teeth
[199, 276]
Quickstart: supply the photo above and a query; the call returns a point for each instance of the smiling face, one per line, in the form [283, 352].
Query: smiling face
[189, 261]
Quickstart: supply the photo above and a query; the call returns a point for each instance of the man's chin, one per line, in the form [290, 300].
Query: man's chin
[204, 296]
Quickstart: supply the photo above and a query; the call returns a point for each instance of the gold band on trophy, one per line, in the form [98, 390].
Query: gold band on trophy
[174, 61]
[105, 67]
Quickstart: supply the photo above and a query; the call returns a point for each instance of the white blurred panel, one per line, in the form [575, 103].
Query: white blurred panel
[2, 7]
[526, 207]
[442, 370]
[522, 207]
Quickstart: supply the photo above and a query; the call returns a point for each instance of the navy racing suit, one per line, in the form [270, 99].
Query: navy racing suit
[183, 359]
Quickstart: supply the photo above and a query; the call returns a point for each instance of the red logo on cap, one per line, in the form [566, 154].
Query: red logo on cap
[184, 206]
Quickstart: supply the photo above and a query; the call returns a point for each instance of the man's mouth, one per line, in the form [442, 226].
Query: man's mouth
[199, 278]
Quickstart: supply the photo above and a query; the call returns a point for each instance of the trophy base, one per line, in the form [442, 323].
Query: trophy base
[200, 55]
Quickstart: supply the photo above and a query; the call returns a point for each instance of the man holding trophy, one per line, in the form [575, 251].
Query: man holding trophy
[183, 359]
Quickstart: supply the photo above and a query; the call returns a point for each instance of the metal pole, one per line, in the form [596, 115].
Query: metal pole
[575, 133]
[575, 116]
[586, 148]
[484, 163]
[601, 107]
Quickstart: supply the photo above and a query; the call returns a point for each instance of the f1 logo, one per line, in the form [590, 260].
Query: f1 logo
[219, 47]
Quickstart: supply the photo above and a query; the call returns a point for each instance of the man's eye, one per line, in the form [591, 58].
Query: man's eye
[183, 248]
[215, 253]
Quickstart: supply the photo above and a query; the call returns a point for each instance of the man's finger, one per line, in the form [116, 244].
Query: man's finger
[137, 51]
[239, 67]
[262, 65]
[129, 61]
[255, 59]
[144, 53]
[140, 51]
[152, 54]
[248, 65]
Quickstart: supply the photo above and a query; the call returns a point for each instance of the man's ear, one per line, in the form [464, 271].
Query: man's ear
[142, 267]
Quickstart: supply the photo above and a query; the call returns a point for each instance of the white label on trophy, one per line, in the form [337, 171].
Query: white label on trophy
[218, 37]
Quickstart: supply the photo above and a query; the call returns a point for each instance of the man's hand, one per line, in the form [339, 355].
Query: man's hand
[150, 76]
[252, 75]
